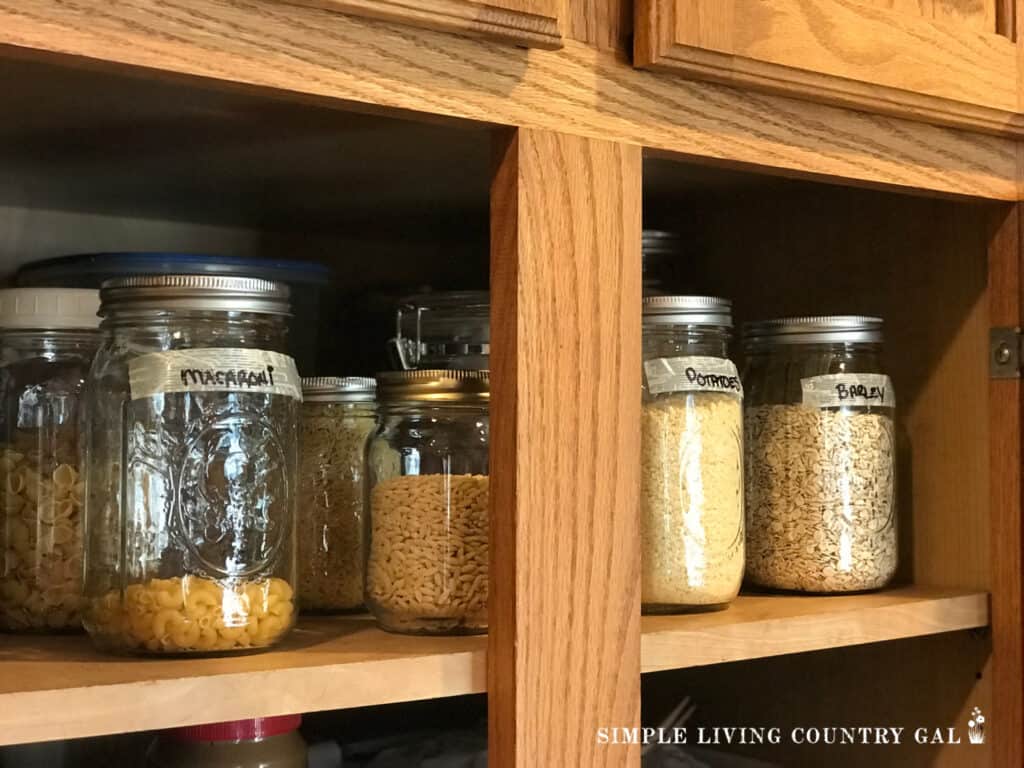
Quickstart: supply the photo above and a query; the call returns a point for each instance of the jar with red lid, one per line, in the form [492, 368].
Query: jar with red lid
[265, 742]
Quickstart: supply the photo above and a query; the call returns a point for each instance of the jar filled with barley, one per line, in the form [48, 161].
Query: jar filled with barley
[820, 455]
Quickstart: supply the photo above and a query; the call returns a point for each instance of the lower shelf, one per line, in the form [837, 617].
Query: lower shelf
[58, 687]
[757, 626]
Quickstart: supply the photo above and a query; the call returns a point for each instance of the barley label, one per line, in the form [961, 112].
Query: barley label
[214, 370]
[857, 389]
[692, 374]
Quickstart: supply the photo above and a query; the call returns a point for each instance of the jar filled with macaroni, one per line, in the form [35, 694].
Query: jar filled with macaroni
[192, 467]
[691, 496]
[338, 416]
[427, 553]
[48, 337]
[820, 455]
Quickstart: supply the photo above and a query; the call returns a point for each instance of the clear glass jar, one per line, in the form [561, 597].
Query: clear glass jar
[445, 329]
[192, 466]
[427, 556]
[691, 457]
[47, 342]
[265, 742]
[338, 417]
[820, 455]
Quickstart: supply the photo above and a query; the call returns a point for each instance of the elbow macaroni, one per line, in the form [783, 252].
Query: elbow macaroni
[193, 614]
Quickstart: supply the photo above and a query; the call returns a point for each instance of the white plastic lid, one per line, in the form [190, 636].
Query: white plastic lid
[49, 308]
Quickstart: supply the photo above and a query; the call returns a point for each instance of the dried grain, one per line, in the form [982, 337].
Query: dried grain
[691, 500]
[820, 499]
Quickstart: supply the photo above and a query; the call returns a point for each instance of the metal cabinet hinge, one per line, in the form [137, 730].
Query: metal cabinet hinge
[1004, 353]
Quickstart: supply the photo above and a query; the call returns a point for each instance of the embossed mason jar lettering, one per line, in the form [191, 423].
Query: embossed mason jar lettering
[192, 462]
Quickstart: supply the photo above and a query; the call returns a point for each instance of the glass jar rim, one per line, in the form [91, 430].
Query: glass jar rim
[710, 311]
[814, 329]
[213, 293]
[339, 389]
[434, 387]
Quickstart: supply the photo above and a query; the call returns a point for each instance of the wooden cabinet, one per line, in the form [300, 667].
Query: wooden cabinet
[944, 61]
[385, 146]
[529, 23]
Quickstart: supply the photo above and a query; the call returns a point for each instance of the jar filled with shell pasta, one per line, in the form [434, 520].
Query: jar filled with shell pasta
[820, 455]
[427, 541]
[48, 337]
[691, 493]
[192, 467]
[338, 416]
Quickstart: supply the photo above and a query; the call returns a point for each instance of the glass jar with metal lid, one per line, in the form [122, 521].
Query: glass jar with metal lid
[427, 561]
[820, 455]
[192, 457]
[691, 456]
[446, 329]
[47, 340]
[338, 416]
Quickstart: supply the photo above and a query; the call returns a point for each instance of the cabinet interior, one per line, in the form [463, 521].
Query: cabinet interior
[95, 161]
[786, 247]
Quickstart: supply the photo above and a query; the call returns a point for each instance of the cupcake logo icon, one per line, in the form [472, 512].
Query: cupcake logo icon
[976, 727]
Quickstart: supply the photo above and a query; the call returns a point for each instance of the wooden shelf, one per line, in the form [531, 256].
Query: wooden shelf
[757, 626]
[58, 687]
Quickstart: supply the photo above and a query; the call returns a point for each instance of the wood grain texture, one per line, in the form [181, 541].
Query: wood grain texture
[60, 688]
[530, 23]
[367, 64]
[604, 24]
[1007, 460]
[564, 642]
[840, 52]
[977, 15]
[759, 626]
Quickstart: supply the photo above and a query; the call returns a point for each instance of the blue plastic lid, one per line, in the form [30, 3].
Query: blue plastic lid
[91, 269]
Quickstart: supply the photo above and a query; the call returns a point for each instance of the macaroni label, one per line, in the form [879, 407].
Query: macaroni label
[214, 370]
[839, 389]
[692, 374]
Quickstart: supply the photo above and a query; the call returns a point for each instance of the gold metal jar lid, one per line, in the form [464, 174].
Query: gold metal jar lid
[435, 386]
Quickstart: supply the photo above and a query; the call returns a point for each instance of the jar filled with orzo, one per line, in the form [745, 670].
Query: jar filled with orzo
[338, 416]
[820, 455]
[427, 556]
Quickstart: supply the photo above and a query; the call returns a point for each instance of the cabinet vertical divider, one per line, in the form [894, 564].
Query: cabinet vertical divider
[1005, 461]
[563, 654]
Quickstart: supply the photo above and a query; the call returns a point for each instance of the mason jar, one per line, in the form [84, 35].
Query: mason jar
[691, 456]
[820, 455]
[427, 556]
[47, 341]
[192, 457]
[443, 330]
[338, 416]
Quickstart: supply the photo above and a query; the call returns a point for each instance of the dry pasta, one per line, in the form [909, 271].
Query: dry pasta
[41, 537]
[193, 615]
[428, 561]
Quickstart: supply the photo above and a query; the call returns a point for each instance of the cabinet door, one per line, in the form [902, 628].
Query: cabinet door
[945, 61]
[528, 23]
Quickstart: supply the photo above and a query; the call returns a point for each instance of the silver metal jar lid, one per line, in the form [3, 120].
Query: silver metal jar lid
[688, 310]
[214, 293]
[453, 387]
[815, 329]
[338, 389]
